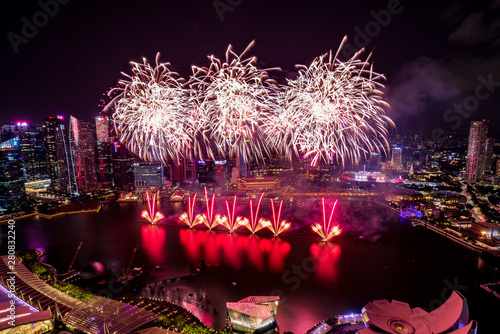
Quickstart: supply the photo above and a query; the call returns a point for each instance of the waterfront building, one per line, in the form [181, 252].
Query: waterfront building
[253, 313]
[12, 176]
[258, 183]
[147, 175]
[476, 151]
[26, 318]
[382, 316]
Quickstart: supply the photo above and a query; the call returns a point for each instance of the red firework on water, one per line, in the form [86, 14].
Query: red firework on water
[188, 217]
[277, 226]
[151, 214]
[210, 219]
[255, 225]
[327, 230]
[232, 222]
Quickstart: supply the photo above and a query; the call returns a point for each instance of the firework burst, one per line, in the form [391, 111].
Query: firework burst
[234, 100]
[333, 111]
[188, 217]
[326, 230]
[151, 112]
[151, 215]
[232, 222]
[210, 219]
[255, 224]
[277, 226]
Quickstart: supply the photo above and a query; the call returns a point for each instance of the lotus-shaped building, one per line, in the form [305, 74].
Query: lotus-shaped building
[452, 317]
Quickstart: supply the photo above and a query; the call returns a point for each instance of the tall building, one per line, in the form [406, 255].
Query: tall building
[82, 148]
[123, 172]
[12, 176]
[397, 157]
[476, 151]
[32, 148]
[103, 152]
[147, 175]
[488, 155]
[51, 146]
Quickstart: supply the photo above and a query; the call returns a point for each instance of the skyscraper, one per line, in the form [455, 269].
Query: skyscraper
[12, 176]
[31, 146]
[476, 151]
[397, 157]
[488, 155]
[51, 126]
[103, 152]
[82, 143]
[123, 172]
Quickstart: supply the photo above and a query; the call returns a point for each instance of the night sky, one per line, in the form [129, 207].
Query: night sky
[435, 54]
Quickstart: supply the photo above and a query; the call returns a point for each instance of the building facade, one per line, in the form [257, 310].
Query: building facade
[12, 176]
[83, 165]
[476, 151]
[147, 175]
[104, 158]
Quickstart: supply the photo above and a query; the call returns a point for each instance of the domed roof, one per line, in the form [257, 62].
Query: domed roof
[92, 270]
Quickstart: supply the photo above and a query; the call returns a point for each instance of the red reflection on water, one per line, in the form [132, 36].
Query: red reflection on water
[233, 250]
[326, 256]
[277, 255]
[153, 238]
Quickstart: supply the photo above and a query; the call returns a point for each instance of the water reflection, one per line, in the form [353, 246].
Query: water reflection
[327, 256]
[153, 239]
[234, 250]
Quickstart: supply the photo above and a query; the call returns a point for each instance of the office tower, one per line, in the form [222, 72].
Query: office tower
[488, 156]
[123, 172]
[12, 176]
[206, 171]
[51, 124]
[147, 175]
[103, 152]
[397, 157]
[82, 148]
[32, 148]
[497, 171]
[476, 150]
